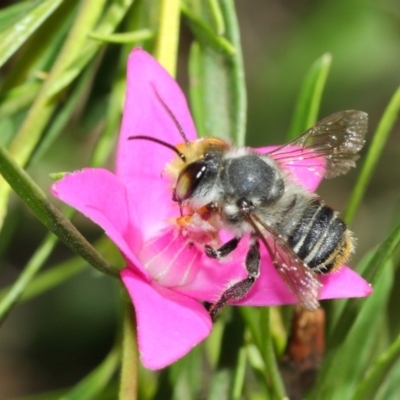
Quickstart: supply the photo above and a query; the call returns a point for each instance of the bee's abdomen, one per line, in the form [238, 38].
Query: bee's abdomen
[321, 239]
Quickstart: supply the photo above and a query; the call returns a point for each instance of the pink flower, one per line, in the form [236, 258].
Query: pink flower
[165, 275]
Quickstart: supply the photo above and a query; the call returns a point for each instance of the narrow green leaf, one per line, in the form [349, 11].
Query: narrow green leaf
[239, 376]
[217, 101]
[106, 143]
[28, 286]
[309, 100]
[257, 364]
[232, 341]
[378, 372]
[196, 88]
[166, 49]
[26, 276]
[12, 38]
[217, 17]
[38, 54]
[251, 318]
[354, 307]
[18, 98]
[53, 395]
[30, 132]
[349, 361]
[22, 285]
[7, 128]
[12, 13]
[126, 37]
[217, 87]
[374, 152]
[49, 279]
[372, 273]
[389, 387]
[48, 214]
[32, 128]
[11, 224]
[95, 383]
[238, 88]
[214, 342]
[59, 273]
[269, 355]
[205, 34]
[74, 101]
[220, 388]
[186, 376]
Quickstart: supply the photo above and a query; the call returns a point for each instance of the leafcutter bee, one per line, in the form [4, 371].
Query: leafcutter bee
[247, 193]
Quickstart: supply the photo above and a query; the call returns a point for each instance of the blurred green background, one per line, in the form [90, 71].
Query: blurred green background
[54, 340]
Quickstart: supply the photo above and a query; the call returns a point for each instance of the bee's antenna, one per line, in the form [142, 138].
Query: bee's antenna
[165, 144]
[168, 110]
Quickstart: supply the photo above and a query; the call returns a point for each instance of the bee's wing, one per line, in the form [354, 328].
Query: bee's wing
[330, 146]
[301, 280]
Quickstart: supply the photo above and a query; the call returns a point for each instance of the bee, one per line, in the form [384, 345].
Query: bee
[247, 193]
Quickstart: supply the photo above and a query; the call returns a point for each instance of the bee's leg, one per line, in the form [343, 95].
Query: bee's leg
[241, 288]
[224, 250]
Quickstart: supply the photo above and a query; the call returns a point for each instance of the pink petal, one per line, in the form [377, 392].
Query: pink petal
[169, 324]
[98, 194]
[344, 283]
[270, 290]
[305, 173]
[140, 163]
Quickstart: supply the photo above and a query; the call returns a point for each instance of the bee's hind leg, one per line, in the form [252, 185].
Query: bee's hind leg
[241, 288]
[224, 250]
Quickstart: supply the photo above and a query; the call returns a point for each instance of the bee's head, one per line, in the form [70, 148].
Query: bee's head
[198, 177]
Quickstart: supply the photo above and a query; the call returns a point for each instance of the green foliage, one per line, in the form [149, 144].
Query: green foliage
[62, 88]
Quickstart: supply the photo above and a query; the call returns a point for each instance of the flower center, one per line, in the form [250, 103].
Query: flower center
[172, 258]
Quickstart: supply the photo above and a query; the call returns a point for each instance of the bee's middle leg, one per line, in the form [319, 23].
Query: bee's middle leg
[241, 288]
[224, 250]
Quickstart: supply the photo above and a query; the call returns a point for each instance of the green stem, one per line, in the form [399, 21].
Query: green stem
[168, 36]
[129, 371]
[49, 215]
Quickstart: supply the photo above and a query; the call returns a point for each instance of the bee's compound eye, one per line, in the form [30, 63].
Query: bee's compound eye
[189, 179]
